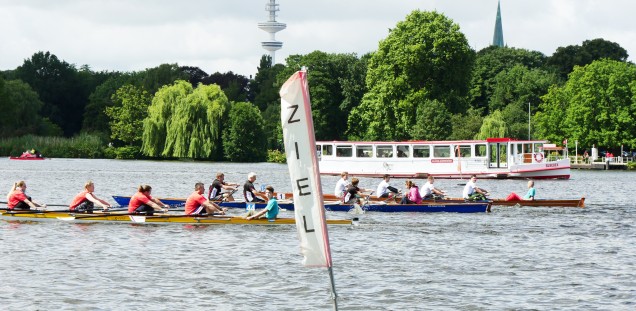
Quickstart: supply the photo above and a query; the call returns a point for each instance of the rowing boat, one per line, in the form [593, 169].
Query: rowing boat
[156, 219]
[545, 203]
[336, 206]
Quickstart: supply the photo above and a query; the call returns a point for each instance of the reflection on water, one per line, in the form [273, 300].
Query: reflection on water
[513, 258]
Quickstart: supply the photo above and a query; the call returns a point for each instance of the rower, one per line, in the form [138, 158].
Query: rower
[196, 203]
[428, 191]
[85, 201]
[143, 202]
[249, 192]
[17, 199]
[218, 185]
[341, 185]
[385, 190]
[472, 192]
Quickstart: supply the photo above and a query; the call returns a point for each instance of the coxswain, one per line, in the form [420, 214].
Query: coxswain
[196, 203]
[271, 210]
[143, 202]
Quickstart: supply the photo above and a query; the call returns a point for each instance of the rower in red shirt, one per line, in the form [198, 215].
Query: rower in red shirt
[142, 202]
[17, 199]
[196, 203]
[85, 201]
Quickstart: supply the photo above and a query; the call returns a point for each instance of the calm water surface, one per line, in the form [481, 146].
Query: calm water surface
[510, 259]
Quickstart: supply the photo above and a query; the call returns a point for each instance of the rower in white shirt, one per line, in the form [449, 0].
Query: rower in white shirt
[341, 185]
[384, 189]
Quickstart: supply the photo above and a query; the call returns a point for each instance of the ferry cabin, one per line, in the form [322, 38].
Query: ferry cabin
[491, 158]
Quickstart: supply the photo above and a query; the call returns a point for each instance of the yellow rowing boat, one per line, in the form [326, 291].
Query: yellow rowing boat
[155, 219]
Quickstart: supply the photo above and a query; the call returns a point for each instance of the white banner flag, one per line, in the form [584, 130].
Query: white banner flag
[300, 149]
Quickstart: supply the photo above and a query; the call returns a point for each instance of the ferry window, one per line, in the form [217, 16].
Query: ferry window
[344, 151]
[364, 151]
[441, 151]
[464, 151]
[384, 151]
[403, 151]
[519, 148]
[327, 150]
[480, 150]
[421, 151]
[527, 148]
[538, 147]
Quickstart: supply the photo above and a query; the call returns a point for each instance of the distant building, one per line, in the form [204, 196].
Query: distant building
[272, 27]
[497, 38]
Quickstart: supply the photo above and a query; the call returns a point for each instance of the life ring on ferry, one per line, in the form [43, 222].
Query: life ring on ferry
[538, 157]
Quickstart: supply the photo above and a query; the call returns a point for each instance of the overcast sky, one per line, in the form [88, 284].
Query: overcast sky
[216, 35]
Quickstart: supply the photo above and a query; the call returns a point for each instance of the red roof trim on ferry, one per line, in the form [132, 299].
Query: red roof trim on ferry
[498, 140]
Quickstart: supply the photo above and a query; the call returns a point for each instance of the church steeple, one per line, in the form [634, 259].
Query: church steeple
[497, 38]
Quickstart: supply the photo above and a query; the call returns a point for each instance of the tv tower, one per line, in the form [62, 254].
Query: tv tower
[272, 27]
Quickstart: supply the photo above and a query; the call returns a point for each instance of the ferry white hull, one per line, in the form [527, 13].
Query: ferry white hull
[501, 159]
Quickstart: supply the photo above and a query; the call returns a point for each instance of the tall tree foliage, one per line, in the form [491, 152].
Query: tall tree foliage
[128, 113]
[265, 90]
[565, 58]
[243, 141]
[327, 75]
[514, 90]
[19, 105]
[465, 125]
[185, 122]
[59, 88]
[424, 57]
[433, 122]
[596, 106]
[489, 63]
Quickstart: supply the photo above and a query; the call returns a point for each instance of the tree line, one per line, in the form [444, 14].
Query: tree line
[424, 82]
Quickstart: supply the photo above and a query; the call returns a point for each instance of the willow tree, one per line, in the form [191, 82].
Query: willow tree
[493, 126]
[185, 122]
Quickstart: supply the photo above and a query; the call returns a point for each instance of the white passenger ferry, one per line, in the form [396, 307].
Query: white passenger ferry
[491, 158]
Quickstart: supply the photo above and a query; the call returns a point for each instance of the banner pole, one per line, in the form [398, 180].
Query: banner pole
[334, 295]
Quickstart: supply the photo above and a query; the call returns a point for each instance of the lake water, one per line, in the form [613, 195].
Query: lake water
[510, 259]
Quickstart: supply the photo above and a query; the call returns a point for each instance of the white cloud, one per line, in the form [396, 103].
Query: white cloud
[223, 36]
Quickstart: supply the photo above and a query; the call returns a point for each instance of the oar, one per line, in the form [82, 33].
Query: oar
[107, 214]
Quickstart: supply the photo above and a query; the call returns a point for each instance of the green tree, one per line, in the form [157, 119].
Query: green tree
[597, 105]
[58, 86]
[514, 89]
[128, 114]
[565, 58]
[325, 75]
[185, 122]
[433, 121]
[19, 105]
[493, 126]
[466, 125]
[265, 90]
[424, 57]
[243, 141]
[489, 63]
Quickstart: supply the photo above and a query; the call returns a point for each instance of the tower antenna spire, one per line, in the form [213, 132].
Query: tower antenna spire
[497, 38]
[272, 27]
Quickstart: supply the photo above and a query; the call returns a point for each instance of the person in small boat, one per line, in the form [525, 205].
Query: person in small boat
[249, 192]
[18, 200]
[472, 192]
[85, 201]
[413, 194]
[143, 202]
[196, 203]
[385, 190]
[215, 192]
[354, 193]
[428, 191]
[341, 185]
[529, 195]
[271, 210]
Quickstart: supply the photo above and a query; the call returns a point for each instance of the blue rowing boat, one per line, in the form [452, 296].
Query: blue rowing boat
[428, 207]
